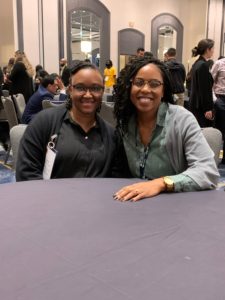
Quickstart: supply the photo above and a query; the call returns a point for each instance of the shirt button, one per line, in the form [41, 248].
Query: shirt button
[86, 137]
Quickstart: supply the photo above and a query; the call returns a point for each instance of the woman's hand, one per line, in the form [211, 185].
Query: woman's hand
[209, 115]
[140, 190]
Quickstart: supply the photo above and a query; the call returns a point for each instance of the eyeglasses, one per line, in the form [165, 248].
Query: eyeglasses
[152, 83]
[82, 89]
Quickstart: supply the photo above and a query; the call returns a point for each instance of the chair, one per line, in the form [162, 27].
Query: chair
[48, 103]
[10, 111]
[5, 93]
[214, 139]
[16, 133]
[11, 116]
[20, 105]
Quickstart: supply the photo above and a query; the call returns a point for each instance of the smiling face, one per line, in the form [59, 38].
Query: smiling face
[86, 91]
[147, 99]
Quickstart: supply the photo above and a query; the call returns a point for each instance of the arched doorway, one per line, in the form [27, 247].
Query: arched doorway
[129, 40]
[169, 26]
[93, 11]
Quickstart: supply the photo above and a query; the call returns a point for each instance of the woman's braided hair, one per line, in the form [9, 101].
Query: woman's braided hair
[124, 108]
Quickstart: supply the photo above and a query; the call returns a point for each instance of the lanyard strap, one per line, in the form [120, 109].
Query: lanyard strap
[143, 163]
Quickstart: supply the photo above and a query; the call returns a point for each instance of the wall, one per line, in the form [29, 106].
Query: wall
[191, 13]
[7, 31]
[215, 21]
[31, 30]
[40, 32]
[41, 38]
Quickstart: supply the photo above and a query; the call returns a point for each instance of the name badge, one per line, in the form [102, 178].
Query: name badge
[49, 158]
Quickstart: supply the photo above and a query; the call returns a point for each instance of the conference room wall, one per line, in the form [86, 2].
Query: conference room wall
[140, 13]
[39, 26]
[7, 31]
[41, 38]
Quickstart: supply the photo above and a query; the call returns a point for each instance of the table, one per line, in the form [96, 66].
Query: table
[68, 239]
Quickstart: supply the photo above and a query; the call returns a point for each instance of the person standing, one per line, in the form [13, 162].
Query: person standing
[109, 76]
[4, 126]
[140, 52]
[218, 74]
[201, 97]
[1, 81]
[21, 76]
[178, 76]
[64, 71]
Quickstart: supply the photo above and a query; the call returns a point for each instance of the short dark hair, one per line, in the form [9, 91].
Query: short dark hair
[38, 68]
[83, 65]
[148, 54]
[123, 107]
[140, 49]
[203, 45]
[42, 73]
[171, 52]
[109, 62]
[49, 79]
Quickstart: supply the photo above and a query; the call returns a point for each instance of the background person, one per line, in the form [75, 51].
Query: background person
[7, 71]
[140, 52]
[84, 142]
[47, 90]
[201, 97]
[64, 71]
[109, 76]
[4, 127]
[148, 54]
[178, 75]
[40, 73]
[163, 142]
[218, 74]
[21, 76]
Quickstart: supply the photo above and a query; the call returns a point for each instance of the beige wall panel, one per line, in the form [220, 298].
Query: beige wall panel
[50, 32]
[7, 31]
[191, 13]
[215, 21]
[126, 13]
[30, 30]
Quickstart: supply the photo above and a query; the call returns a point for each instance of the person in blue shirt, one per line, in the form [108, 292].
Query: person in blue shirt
[48, 88]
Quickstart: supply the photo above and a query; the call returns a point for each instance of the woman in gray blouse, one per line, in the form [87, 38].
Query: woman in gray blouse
[162, 141]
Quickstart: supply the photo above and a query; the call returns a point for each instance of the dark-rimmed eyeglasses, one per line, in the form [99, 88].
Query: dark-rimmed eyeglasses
[82, 89]
[152, 83]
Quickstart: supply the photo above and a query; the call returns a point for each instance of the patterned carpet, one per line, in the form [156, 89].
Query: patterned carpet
[7, 174]
[221, 183]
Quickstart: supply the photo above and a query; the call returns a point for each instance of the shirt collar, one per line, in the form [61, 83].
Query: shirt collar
[160, 121]
[161, 115]
[68, 118]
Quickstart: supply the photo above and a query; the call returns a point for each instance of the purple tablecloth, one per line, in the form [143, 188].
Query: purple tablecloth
[68, 239]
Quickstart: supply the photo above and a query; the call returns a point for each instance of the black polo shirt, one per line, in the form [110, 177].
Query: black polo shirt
[79, 154]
